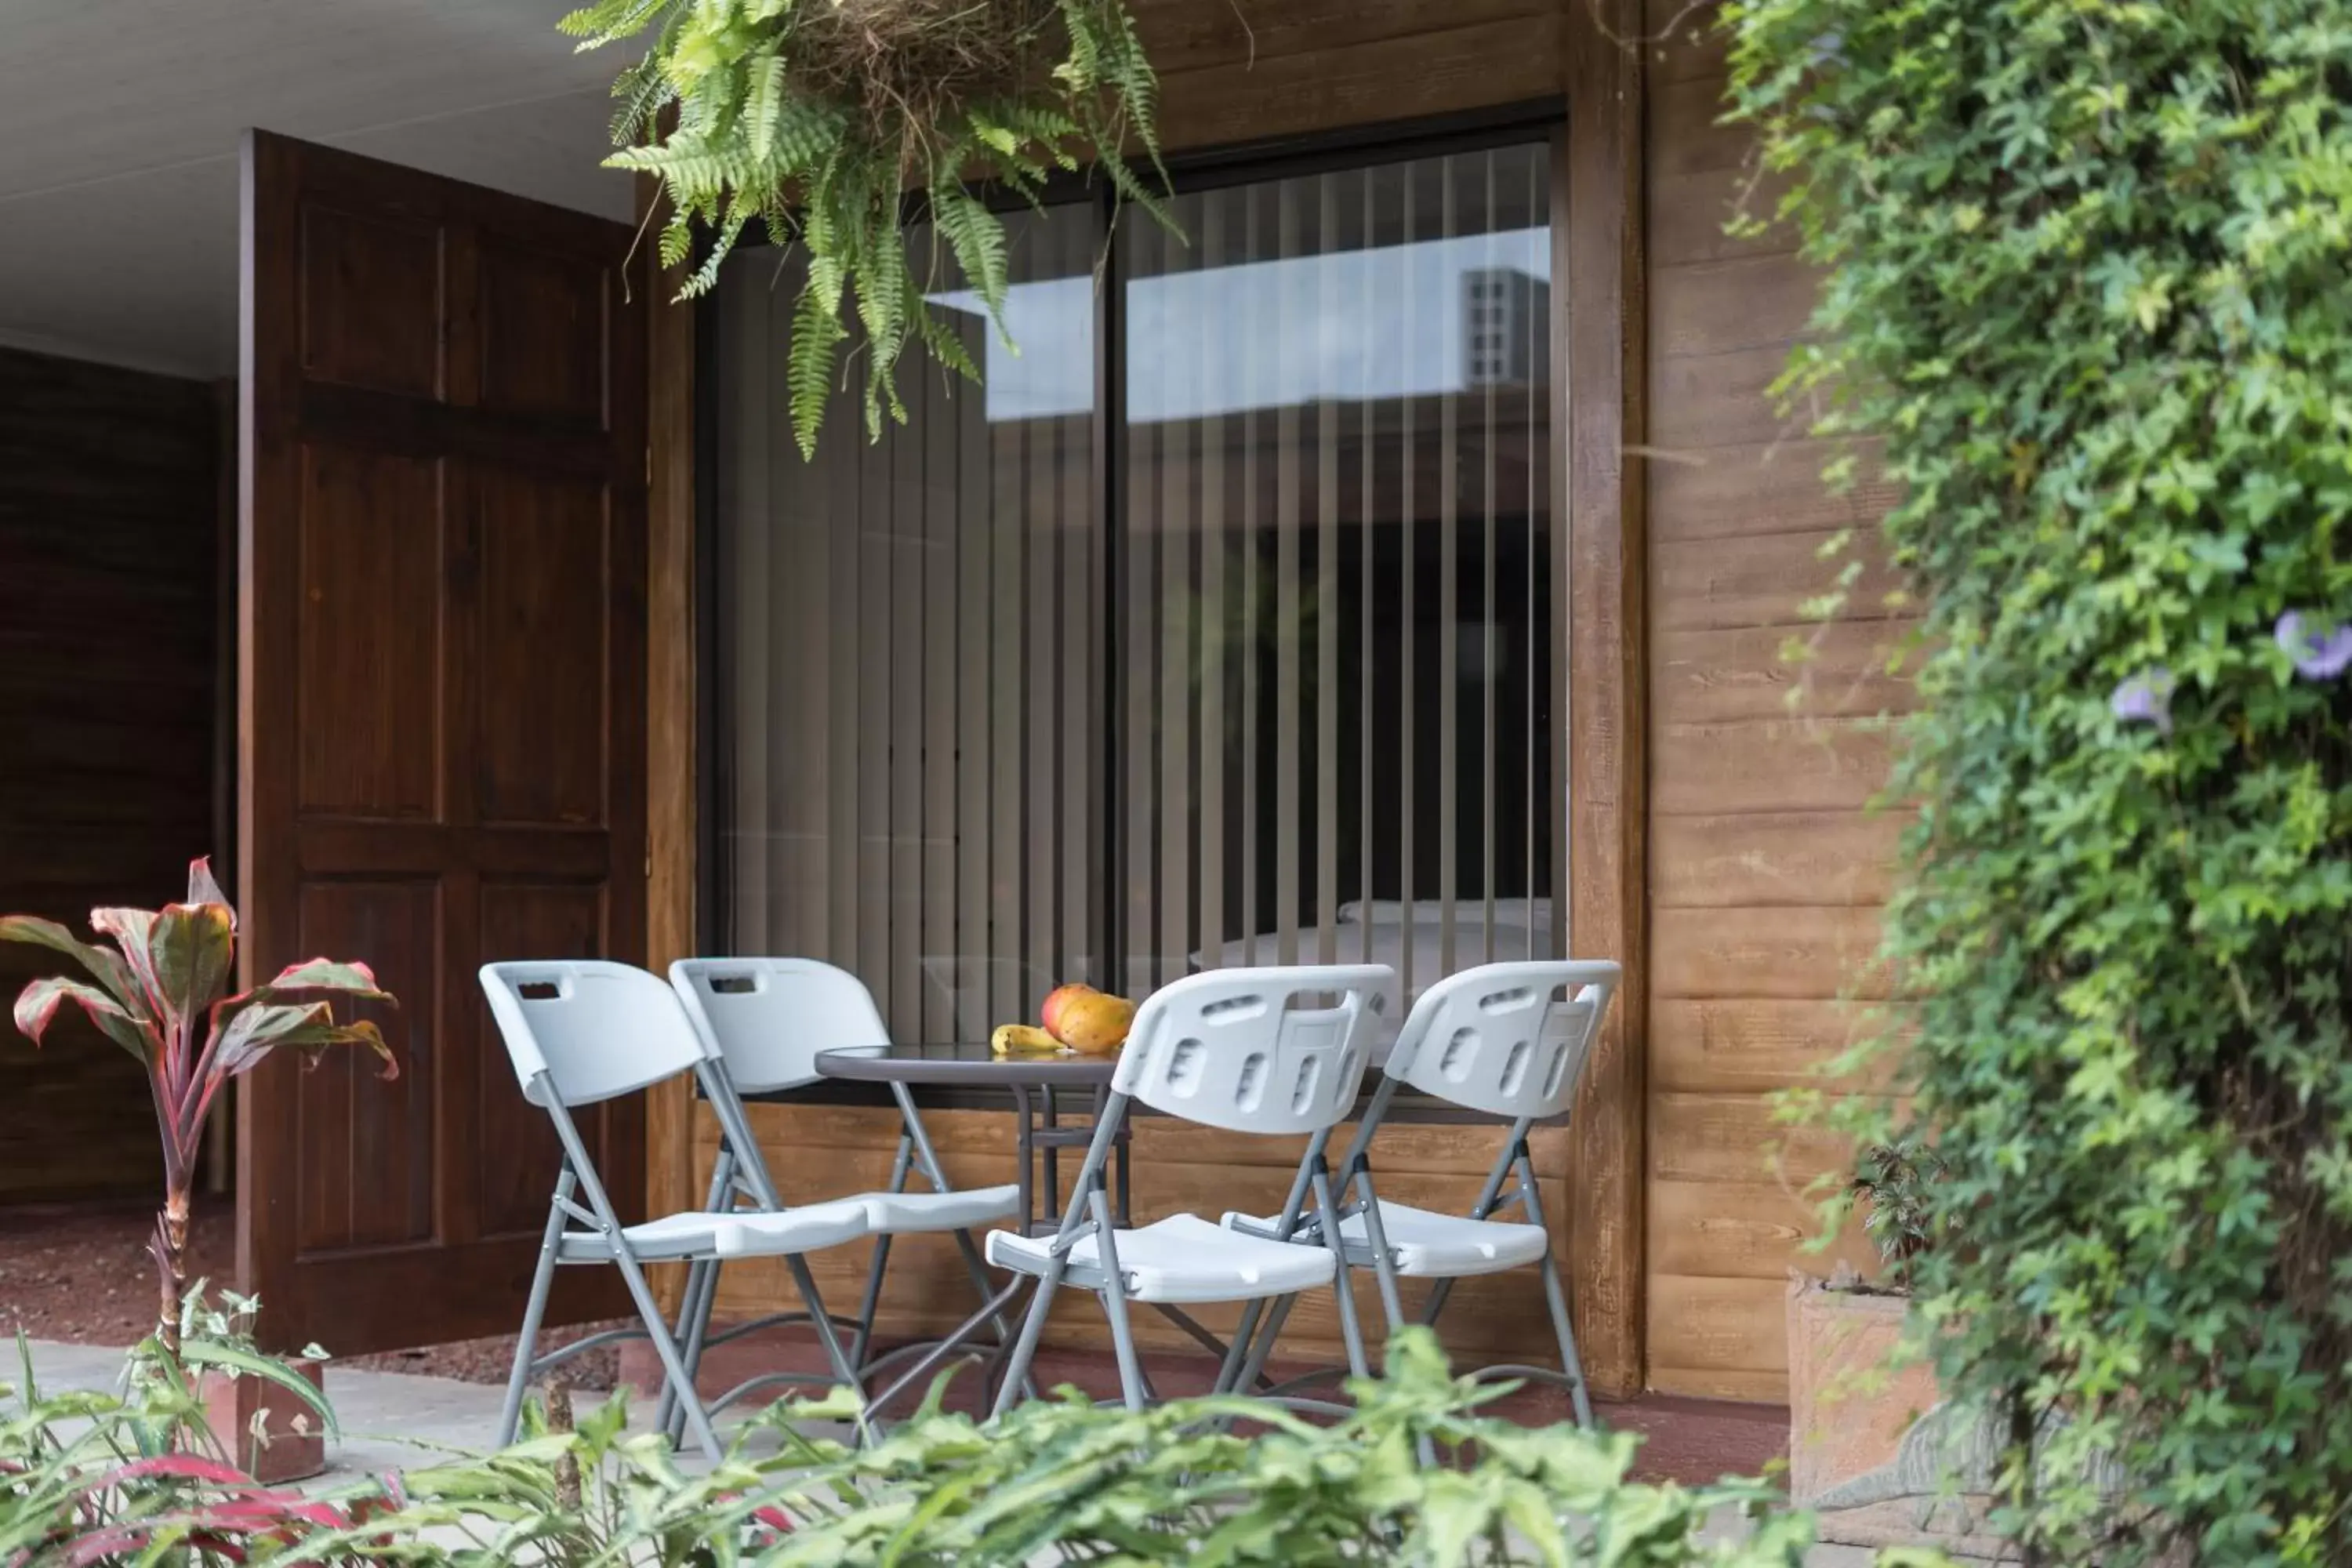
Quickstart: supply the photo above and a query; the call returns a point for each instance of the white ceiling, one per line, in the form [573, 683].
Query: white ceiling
[119, 211]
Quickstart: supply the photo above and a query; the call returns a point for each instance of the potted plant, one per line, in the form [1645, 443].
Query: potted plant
[1873, 1445]
[820, 123]
[160, 992]
[270, 1430]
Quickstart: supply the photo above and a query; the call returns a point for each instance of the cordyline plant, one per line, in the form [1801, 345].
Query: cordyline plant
[161, 993]
[815, 119]
[2088, 283]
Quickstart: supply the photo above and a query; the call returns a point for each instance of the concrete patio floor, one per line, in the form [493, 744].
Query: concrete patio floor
[392, 1420]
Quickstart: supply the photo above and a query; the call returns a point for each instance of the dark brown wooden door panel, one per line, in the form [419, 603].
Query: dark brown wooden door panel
[441, 726]
[382, 1194]
[371, 299]
[540, 691]
[368, 619]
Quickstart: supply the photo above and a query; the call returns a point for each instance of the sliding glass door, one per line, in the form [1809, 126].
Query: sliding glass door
[1217, 627]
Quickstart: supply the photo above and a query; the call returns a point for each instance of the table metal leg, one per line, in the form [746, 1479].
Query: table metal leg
[1024, 1151]
[1052, 1123]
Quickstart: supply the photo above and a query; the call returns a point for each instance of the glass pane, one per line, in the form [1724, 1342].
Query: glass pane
[1335, 603]
[908, 636]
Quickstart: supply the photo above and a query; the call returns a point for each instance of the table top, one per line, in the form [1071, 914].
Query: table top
[969, 1064]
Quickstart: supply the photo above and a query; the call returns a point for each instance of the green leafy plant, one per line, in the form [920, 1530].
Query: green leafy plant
[816, 118]
[1218, 1482]
[2086, 286]
[98, 1477]
[1895, 1182]
[161, 992]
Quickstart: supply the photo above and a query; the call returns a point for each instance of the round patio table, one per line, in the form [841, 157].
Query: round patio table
[1033, 1083]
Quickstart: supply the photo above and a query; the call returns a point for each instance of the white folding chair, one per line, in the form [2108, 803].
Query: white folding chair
[763, 1022]
[1279, 1051]
[1510, 1040]
[580, 1031]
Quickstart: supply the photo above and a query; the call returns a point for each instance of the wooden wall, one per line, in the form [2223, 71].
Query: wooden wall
[1766, 871]
[109, 538]
[1722, 850]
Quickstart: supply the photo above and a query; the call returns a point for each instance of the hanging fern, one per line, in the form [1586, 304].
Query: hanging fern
[816, 118]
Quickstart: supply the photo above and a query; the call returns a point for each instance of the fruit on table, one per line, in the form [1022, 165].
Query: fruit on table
[1022, 1040]
[1087, 1020]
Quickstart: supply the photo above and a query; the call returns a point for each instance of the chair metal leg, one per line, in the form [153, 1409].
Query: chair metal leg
[1556, 1297]
[1261, 1344]
[1131, 1383]
[1383, 1265]
[697, 1420]
[702, 1295]
[871, 1302]
[805, 1283]
[989, 1308]
[1343, 1288]
[1033, 1327]
[542, 1280]
[1229, 1372]
[667, 1406]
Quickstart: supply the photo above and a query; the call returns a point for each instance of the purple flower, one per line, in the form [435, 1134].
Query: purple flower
[2146, 699]
[2317, 655]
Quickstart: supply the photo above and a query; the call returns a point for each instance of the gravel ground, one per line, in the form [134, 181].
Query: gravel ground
[81, 1275]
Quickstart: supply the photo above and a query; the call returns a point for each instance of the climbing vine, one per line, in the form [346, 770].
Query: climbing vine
[2089, 289]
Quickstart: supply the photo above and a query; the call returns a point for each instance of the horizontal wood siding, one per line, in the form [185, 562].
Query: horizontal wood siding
[108, 533]
[1767, 868]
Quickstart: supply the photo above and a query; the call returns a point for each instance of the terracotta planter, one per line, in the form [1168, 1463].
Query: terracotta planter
[296, 1445]
[1849, 1408]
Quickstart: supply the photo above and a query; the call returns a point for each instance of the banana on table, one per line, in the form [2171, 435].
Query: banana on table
[1023, 1040]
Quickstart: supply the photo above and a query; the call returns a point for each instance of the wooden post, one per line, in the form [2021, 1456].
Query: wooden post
[1597, 226]
[670, 867]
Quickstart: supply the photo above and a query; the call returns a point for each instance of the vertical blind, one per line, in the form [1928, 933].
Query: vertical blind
[1224, 636]
[908, 645]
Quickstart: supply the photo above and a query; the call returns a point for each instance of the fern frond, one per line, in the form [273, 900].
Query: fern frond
[945, 343]
[976, 236]
[808, 368]
[612, 20]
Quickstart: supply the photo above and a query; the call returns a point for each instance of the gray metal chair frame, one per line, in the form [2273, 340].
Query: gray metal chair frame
[740, 1174]
[1570, 1025]
[765, 1021]
[580, 1197]
[1171, 1023]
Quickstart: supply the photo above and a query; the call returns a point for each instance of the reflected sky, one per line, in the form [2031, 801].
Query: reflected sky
[1369, 324]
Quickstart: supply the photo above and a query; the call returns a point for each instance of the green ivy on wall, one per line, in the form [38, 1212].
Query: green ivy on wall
[2089, 280]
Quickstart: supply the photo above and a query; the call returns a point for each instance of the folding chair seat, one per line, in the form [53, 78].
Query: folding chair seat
[703, 1235]
[1510, 1040]
[1424, 1244]
[1276, 1051]
[1182, 1258]
[581, 1031]
[761, 1022]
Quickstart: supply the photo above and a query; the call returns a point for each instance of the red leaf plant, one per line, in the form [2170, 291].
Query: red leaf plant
[161, 993]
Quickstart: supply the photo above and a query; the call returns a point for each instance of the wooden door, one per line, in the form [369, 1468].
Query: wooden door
[441, 743]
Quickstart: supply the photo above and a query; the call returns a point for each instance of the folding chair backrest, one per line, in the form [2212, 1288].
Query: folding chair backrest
[1509, 1040]
[768, 1017]
[1274, 1050]
[590, 1027]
